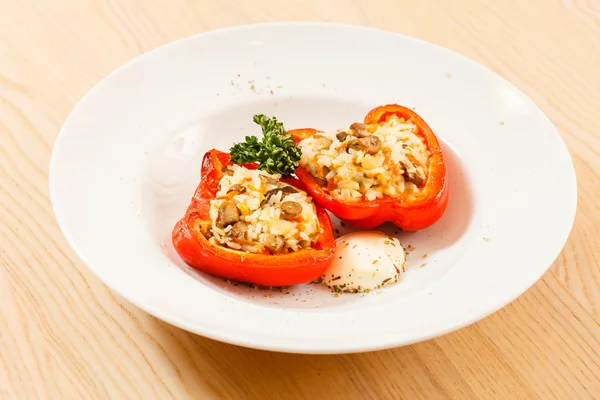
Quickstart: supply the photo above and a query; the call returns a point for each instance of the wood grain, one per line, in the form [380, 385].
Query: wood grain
[63, 335]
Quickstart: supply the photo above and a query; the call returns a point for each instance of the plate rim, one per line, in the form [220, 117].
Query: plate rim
[300, 348]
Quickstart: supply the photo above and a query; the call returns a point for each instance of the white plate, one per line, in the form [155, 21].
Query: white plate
[127, 159]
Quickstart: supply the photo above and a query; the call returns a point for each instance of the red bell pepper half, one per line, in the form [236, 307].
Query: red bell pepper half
[263, 269]
[412, 214]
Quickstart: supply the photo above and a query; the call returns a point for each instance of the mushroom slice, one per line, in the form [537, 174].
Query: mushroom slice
[359, 130]
[290, 210]
[274, 243]
[228, 214]
[237, 188]
[285, 190]
[418, 176]
[239, 230]
[341, 136]
[368, 145]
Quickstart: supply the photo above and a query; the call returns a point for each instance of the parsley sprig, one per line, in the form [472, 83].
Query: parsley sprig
[276, 152]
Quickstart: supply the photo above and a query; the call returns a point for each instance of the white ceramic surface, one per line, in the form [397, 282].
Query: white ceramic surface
[127, 160]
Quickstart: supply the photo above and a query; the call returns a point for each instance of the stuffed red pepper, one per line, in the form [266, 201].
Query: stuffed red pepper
[388, 168]
[249, 225]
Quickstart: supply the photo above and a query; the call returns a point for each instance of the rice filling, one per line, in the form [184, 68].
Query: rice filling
[368, 161]
[254, 211]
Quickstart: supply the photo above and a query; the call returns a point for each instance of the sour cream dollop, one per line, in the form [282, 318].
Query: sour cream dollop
[365, 261]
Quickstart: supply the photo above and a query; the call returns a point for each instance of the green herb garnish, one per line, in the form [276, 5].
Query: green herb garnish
[276, 153]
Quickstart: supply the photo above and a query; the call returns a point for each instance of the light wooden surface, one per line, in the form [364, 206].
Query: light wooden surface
[64, 335]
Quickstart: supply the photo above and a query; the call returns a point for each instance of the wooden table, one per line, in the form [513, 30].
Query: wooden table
[63, 334]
